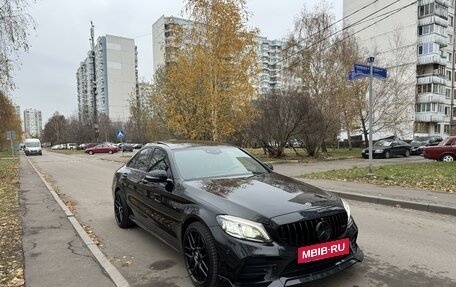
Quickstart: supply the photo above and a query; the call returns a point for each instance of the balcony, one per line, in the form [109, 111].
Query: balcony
[433, 20]
[431, 59]
[433, 38]
[432, 79]
[431, 117]
[432, 98]
[443, 2]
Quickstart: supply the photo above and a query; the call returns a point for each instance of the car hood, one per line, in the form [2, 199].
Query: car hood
[268, 195]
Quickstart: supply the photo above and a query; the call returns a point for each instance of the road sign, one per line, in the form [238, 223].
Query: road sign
[353, 76]
[379, 72]
[361, 69]
[120, 134]
[365, 70]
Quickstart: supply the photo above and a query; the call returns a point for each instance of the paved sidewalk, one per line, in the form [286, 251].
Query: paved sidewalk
[54, 253]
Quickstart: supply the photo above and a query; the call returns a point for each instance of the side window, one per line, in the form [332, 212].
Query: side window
[142, 160]
[159, 160]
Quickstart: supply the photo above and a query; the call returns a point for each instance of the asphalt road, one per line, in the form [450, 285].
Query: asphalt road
[402, 247]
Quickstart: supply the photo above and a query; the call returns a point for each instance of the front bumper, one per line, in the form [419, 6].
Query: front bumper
[244, 263]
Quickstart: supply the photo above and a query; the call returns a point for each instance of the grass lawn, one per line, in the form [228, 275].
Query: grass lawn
[11, 259]
[436, 176]
[290, 154]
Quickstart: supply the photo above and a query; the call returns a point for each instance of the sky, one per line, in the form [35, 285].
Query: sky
[46, 79]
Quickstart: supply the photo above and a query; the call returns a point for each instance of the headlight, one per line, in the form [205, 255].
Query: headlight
[378, 151]
[347, 209]
[243, 228]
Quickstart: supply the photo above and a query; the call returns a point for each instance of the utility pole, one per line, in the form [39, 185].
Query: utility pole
[94, 83]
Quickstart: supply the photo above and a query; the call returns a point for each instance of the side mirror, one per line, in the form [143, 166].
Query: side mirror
[157, 176]
[160, 176]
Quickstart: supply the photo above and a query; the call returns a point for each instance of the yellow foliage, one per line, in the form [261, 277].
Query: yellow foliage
[208, 81]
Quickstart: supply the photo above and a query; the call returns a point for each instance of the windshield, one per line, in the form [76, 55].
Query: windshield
[421, 139]
[32, 144]
[383, 143]
[215, 162]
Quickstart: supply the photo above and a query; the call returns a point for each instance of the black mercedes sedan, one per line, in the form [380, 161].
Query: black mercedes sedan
[235, 221]
[386, 148]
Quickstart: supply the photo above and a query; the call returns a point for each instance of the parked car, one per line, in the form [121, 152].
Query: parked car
[444, 151]
[232, 217]
[137, 146]
[57, 147]
[419, 142]
[387, 147]
[125, 146]
[32, 146]
[102, 148]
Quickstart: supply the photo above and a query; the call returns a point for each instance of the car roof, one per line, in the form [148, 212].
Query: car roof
[183, 144]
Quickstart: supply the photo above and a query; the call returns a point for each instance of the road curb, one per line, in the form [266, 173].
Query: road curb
[116, 277]
[434, 208]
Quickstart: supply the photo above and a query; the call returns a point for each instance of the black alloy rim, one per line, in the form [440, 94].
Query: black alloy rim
[118, 209]
[196, 257]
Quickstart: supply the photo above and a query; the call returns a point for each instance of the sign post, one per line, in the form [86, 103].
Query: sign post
[361, 71]
[11, 135]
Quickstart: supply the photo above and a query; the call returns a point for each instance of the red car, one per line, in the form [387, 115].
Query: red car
[445, 151]
[102, 148]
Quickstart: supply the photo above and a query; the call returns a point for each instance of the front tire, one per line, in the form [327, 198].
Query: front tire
[200, 255]
[90, 152]
[407, 153]
[387, 154]
[447, 158]
[122, 212]
[110, 151]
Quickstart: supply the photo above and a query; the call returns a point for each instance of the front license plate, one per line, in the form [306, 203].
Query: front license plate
[323, 250]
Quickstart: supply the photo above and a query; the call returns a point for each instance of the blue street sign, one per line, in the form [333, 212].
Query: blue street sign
[361, 69]
[120, 134]
[353, 76]
[379, 72]
[365, 70]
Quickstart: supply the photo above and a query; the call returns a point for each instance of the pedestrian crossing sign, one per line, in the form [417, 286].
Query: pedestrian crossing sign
[120, 134]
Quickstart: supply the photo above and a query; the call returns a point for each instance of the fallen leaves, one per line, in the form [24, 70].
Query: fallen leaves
[11, 260]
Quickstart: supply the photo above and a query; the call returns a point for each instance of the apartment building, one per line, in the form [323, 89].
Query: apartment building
[33, 122]
[425, 30]
[270, 77]
[106, 82]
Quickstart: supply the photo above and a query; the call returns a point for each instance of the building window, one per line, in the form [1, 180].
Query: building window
[446, 129]
[450, 57]
[448, 94]
[421, 127]
[450, 21]
[426, 9]
[426, 48]
[425, 29]
[448, 75]
[437, 128]
[450, 39]
[447, 111]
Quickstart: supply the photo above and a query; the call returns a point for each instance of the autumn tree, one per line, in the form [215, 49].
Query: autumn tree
[311, 59]
[208, 87]
[14, 25]
[283, 116]
[55, 129]
[10, 121]
[352, 98]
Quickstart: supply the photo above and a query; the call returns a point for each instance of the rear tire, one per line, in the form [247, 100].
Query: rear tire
[110, 152]
[91, 152]
[122, 212]
[447, 158]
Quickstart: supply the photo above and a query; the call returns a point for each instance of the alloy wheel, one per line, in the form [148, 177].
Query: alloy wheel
[196, 257]
[118, 209]
[448, 158]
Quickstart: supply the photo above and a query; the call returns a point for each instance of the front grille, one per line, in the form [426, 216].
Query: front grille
[303, 232]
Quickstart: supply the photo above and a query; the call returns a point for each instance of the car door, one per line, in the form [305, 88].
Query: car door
[167, 205]
[135, 193]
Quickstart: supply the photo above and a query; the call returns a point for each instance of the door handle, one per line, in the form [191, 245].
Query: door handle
[157, 197]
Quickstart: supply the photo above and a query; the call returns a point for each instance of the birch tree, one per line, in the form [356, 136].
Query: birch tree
[208, 83]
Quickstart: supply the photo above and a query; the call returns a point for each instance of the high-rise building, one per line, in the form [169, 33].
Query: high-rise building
[33, 122]
[269, 51]
[106, 85]
[425, 31]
